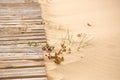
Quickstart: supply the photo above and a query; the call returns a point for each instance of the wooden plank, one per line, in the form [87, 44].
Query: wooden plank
[20, 29]
[18, 1]
[19, 12]
[22, 42]
[21, 26]
[21, 56]
[22, 10]
[20, 20]
[21, 32]
[20, 17]
[43, 78]
[21, 46]
[32, 26]
[17, 16]
[38, 16]
[20, 50]
[18, 23]
[19, 5]
[20, 64]
[11, 1]
[22, 73]
[18, 9]
[22, 38]
[22, 35]
[24, 28]
[6, 9]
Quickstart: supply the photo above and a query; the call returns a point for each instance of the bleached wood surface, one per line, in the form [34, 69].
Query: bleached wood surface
[18, 1]
[21, 23]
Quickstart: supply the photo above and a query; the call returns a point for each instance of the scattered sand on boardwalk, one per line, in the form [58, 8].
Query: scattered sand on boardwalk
[98, 18]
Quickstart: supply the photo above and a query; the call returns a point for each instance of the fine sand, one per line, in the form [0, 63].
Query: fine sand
[100, 19]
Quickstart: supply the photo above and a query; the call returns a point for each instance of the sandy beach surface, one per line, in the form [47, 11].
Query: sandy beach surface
[100, 19]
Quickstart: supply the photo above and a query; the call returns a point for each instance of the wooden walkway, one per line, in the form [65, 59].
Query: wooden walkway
[20, 24]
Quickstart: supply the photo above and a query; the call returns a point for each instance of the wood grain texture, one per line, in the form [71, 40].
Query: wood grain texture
[42, 78]
[7, 64]
[21, 56]
[21, 23]
[22, 72]
[18, 1]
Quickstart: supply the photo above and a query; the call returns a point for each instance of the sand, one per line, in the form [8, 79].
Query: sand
[100, 19]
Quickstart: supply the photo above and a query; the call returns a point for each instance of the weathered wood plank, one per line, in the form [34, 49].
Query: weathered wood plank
[21, 38]
[20, 50]
[20, 24]
[11, 1]
[18, 1]
[22, 47]
[16, 11]
[23, 10]
[20, 64]
[19, 35]
[19, 5]
[19, 9]
[19, 13]
[42, 78]
[22, 73]
[24, 28]
[20, 43]
[20, 18]
[38, 16]
[21, 32]
[22, 35]
[21, 56]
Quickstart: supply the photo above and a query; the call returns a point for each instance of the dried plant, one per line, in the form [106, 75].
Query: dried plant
[83, 40]
[68, 41]
[57, 57]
